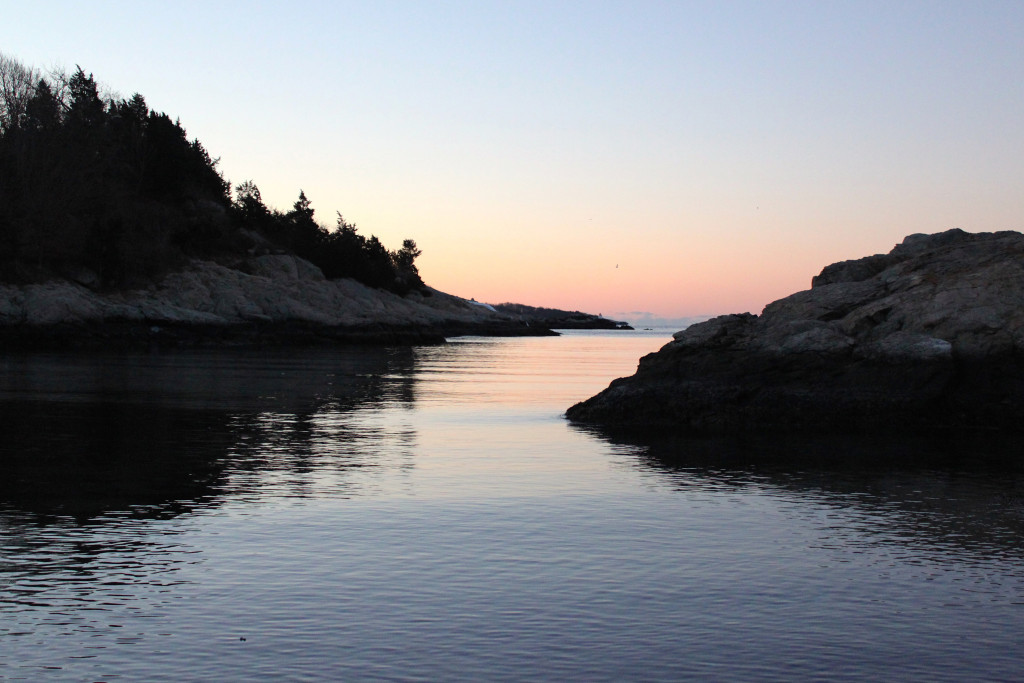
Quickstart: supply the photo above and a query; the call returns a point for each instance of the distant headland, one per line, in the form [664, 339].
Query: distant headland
[928, 337]
[117, 229]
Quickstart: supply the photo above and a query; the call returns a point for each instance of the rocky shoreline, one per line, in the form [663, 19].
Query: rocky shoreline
[263, 301]
[557, 319]
[927, 337]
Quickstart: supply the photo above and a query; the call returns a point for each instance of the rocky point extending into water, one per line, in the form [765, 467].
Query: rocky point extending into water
[557, 319]
[929, 336]
[271, 299]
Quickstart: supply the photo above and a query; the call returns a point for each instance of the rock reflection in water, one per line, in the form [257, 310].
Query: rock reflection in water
[103, 456]
[949, 498]
[85, 458]
[158, 435]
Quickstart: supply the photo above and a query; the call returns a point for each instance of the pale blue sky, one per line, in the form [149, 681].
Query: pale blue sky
[719, 153]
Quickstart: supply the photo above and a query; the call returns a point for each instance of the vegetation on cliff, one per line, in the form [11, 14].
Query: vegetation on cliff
[105, 191]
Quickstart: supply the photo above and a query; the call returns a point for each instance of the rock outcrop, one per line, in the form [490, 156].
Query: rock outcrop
[557, 319]
[270, 292]
[928, 336]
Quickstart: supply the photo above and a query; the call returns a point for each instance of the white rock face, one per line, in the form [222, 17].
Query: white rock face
[276, 288]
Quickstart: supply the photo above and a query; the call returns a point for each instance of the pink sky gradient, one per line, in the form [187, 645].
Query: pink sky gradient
[719, 153]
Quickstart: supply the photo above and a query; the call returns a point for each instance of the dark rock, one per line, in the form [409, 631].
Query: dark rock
[929, 336]
[557, 319]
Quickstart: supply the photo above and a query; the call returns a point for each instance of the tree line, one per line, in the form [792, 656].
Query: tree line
[105, 186]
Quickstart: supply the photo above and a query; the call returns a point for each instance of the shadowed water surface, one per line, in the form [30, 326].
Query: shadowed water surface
[426, 514]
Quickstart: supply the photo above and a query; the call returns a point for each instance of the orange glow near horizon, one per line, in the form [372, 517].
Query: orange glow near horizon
[676, 276]
[719, 157]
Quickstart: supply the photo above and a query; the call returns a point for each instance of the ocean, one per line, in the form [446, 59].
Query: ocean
[427, 514]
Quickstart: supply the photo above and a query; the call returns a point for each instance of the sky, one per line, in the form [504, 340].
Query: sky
[638, 159]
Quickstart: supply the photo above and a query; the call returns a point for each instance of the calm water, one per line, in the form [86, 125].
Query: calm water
[427, 514]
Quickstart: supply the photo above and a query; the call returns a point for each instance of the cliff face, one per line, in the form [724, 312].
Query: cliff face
[266, 290]
[930, 335]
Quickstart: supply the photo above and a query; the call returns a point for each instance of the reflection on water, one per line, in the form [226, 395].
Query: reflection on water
[158, 434]
[947, 496]
[94, 449]
[427, 514]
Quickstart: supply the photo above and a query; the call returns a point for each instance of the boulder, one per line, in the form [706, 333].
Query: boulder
[929, 336]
